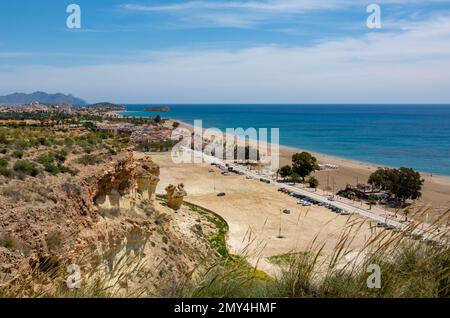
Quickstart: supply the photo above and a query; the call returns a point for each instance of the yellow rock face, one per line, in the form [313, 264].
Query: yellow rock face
[175, 196]
[127, 184]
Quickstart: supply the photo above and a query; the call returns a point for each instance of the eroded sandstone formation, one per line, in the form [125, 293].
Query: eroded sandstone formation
[127, 184]
[105, 217]
[175, 196]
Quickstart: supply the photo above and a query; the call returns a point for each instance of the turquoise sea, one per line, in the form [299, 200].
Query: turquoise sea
[416, 136]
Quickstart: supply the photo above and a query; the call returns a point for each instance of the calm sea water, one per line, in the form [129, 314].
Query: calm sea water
[416, 136]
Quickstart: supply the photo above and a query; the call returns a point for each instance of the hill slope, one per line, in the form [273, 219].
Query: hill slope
[41, 97]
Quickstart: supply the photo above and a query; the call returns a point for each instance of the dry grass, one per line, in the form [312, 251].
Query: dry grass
[411, 266]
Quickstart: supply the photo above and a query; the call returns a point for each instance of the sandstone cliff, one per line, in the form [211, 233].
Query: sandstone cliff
[104, 219]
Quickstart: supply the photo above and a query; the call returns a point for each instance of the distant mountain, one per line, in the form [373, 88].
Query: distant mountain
[41, 97]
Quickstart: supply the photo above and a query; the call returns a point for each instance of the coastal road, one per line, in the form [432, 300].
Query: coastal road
[317, 197]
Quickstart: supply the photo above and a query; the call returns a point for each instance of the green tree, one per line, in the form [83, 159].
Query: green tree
[406, 184]
[303, 164]
[313, 182]
[285, 171]
[381, 179]
[295, 177]
[403, 183]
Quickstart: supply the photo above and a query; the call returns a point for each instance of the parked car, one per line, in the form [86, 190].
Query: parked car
[221, 194]
[331, 198]
[287, 211]
[305, 202]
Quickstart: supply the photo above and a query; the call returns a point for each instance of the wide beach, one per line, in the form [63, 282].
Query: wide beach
[435, 192]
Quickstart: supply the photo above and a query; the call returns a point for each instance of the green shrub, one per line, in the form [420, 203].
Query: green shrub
[60, 156]
[5, 172]
[3, 163]
[313, 182]
[17, 154]
[3, 139]
[26, 167]
[45, 159]
[43, 141]
[52, 169]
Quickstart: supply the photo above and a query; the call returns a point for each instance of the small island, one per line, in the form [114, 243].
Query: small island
[162, 109]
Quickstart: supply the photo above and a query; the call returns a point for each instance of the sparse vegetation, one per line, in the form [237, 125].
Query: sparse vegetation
[88, 160]
[411, 266]
[26, 167]
[110, 213]
[7, 241]
[54, 240]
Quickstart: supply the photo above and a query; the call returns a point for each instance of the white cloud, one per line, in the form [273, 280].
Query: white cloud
[266, 5]
[5, 54]
[411, 67]
[244, 14]
[271, 5]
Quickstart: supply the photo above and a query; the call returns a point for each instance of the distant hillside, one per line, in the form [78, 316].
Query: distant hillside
[41, 97]
[107, 106]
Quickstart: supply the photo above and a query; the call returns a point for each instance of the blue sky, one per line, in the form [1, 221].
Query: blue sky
[217, 51]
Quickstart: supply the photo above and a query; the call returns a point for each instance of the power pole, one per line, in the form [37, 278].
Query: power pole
[333, 184]
[279, 228]
[328, 180]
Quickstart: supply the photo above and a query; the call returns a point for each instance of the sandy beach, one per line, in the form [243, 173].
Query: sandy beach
[253, 211]
[435, 192]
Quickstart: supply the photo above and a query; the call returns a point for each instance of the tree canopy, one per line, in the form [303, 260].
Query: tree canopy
[304, 163]
[313, 182]
[403, 183]
[285, 171]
